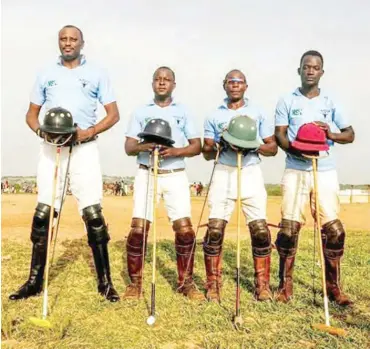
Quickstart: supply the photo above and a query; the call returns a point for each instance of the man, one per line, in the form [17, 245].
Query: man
[75, 84]
[173, 184]
[223, 191]
[310, 104]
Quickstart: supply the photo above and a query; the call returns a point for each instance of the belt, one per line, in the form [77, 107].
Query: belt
[144, 167]
[81, 142]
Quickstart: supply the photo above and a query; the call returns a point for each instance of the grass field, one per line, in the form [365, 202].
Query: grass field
[82, 319]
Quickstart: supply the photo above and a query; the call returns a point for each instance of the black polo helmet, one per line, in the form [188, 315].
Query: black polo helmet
[157, 131]
[58, 121]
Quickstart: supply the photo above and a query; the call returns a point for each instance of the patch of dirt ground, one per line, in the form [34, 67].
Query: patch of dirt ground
[17, 212]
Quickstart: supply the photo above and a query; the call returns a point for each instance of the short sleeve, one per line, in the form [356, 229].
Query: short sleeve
[266, 126]
[281, 113]
[105, 90]
[134, 127]
[209, 129]
[38, 93]
[339, 117]
[190, 130]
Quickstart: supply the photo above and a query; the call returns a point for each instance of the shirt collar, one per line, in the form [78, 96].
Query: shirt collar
[224, 104]
[322, 93]
[151, 102]
[82, 60]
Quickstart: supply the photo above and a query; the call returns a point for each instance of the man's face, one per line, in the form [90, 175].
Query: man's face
[163, 83]
[70, 43]
[310, 71]
[235, 86]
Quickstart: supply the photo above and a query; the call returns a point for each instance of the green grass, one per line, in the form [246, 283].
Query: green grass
[82, 319]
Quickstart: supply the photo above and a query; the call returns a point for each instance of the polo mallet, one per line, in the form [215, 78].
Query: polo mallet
[145, 222]
[238, 321]
[64, 192]
[201, 214]
[43, 322]
[322, 327]
[151, 319]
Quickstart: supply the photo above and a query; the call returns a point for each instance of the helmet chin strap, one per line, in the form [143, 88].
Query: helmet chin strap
[58, 141]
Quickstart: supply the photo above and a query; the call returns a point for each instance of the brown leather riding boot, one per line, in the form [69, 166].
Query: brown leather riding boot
[185, 249]
[262, 278]
[212, 248]
[335, 294]
[133, 290]
[214, 277]
[134, 247]
[285, 291]
[333, 238]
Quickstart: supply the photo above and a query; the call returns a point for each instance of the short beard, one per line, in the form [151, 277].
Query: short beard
[235, 100]
[70, 58]
[162, 98]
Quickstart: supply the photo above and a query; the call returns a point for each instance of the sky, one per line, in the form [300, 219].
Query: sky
[201, 41]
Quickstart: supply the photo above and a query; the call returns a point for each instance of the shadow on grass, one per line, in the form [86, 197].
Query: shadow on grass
[121, 246]
[169, 272]
[246, 268]
[73, 250]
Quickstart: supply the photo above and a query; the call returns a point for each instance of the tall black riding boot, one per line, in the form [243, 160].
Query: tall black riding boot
[33, 285]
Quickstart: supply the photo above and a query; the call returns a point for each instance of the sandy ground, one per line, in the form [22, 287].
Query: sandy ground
[17, 212]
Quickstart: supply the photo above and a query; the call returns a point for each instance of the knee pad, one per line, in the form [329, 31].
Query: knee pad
[212, 244]
[333, 235]
[184, 236]
[287, 238]
[97, 230]
[260, 238]
[135, 238]
[40, 224]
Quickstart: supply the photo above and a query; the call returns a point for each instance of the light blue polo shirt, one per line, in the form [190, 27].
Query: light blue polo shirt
[295, 109]
[218, 121]
[182, 128]
[76, 90]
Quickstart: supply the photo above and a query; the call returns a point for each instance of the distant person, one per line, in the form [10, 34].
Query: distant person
[307, 104]
[199, 189]
[77, 85]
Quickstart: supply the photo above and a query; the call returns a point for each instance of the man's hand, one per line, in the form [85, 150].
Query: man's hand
[40, 133]
[244, 151]
[309, 154]
[169, 152]
[144, 147]
[83, 135]
[326, 128]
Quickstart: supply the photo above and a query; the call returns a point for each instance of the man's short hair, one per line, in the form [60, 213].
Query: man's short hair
[312, 53]
[233, 71]
[73, 26]
[167, 68]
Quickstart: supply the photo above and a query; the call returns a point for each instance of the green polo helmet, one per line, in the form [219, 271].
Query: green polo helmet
[242, 132]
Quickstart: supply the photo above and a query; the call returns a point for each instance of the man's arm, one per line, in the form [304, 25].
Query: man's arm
[269, 148]
[32, 116]
[133, 147]
[193, 149]
[111, 118]
[281, 134]
[209, 149]
[346, 135]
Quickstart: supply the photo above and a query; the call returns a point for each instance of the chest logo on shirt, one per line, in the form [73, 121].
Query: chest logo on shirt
[325, 112]
[83, 82]
[222, 126]
[52, 83]
[297, 112]
[147, 119]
